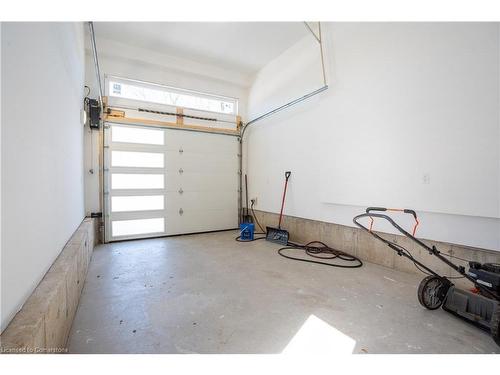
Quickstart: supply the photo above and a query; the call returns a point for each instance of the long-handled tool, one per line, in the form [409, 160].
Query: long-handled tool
[279, 235]
[435, 291]
[247, 218]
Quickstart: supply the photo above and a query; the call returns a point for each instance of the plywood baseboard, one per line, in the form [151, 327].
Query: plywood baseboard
[44, 322]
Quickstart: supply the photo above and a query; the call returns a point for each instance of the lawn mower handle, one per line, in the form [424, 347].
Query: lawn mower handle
[371, 215]
[404, 210]
[394, 247]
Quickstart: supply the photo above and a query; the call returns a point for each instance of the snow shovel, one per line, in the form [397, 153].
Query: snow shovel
[247, 218]
[279, 235]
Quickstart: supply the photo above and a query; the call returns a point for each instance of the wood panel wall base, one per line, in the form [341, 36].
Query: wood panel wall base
[44, 322]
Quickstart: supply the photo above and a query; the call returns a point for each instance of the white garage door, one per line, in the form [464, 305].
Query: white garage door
[164, 181]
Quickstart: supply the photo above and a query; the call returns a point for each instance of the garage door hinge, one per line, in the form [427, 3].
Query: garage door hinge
[106, 193]
[105, 146]
[106, 126]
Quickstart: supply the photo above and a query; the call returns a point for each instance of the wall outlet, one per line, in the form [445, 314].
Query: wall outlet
[426, 179]
[254, 200]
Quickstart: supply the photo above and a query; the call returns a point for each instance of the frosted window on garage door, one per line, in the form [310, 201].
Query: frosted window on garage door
[137, 181]
[137, 135]
[137, 227]
[137, 203]
[137, 159]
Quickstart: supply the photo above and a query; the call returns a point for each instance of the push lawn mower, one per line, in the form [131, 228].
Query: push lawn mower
[481, 309]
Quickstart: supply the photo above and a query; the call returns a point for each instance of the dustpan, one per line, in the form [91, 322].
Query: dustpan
[278, 235]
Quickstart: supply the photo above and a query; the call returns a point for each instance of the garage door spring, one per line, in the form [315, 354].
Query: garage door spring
[176, 114]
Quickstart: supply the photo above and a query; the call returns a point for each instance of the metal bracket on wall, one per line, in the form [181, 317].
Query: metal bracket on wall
[280, 108]
[320, 41]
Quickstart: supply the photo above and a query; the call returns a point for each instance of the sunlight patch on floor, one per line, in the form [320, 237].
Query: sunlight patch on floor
[318, 337]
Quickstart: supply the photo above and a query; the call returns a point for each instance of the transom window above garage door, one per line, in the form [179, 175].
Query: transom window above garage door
[172, 96]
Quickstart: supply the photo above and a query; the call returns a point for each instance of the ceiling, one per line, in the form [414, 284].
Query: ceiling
[240, 46]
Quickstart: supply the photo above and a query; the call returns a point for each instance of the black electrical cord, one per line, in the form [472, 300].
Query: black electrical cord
[255, 238]
[317, 249]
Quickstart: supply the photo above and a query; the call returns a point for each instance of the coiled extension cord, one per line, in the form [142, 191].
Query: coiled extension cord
[314, 249]
[319, 250]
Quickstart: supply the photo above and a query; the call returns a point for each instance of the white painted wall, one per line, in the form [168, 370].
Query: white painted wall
[1, 216]
[42, 152]
[150, 66]
[407, 99]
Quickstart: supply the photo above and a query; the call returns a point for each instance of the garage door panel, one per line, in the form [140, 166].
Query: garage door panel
[200, 142]
[135, 192]
[192, 221]
[197, 200]
[181, 182]
[206, 181]
[208, 162]
[198, 162]
[138, 147]
[137, 214]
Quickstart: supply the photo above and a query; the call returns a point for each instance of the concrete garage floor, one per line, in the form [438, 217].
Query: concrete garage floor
[207, 293]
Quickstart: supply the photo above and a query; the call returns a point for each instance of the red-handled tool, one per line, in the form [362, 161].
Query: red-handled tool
[279, 235]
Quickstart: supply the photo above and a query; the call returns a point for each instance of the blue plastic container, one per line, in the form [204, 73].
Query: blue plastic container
[246, 231]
